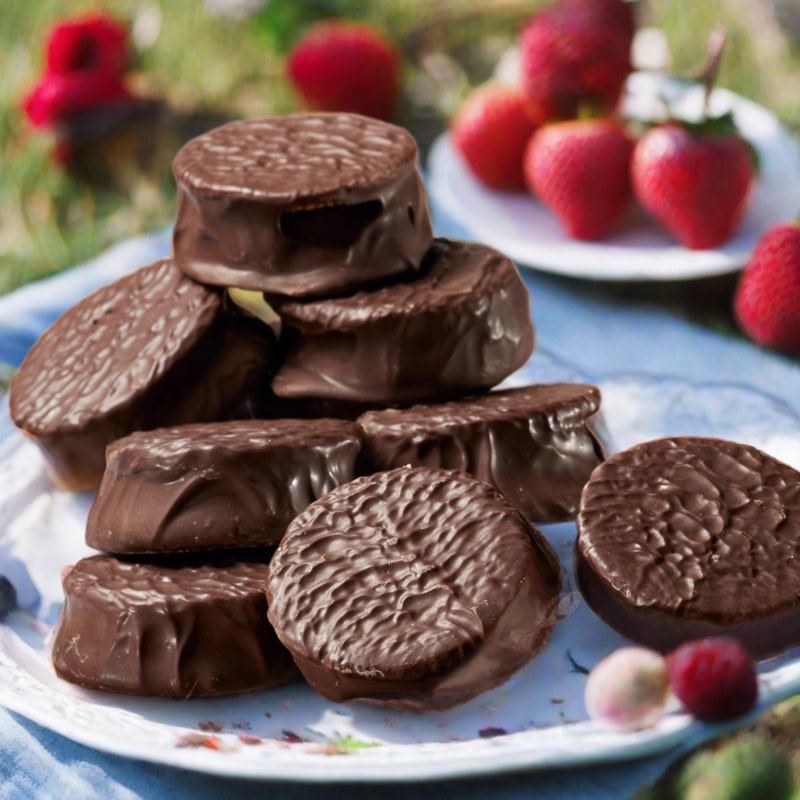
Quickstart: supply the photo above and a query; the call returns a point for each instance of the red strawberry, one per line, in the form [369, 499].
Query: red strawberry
[616, 13]
[491, 131]
[581, 170]
[345, 66]
[695, 178]
[767, 300]
[713, 678]
[571, 58]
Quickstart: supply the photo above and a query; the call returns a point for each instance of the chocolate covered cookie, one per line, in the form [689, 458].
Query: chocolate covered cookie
[681, 538]
[461, 326]
[535, 444]
[151, 349]
[218, 485]
[301, 205]
[414, 588]
[168, 631]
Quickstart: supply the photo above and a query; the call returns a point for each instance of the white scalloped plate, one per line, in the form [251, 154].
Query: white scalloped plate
[524, 229]
[536, 720]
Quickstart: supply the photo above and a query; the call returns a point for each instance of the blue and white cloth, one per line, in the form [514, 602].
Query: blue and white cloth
[682, 377]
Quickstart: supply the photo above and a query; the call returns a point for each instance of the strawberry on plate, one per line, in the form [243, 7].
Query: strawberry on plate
[694, 178]
[490, 131]
[346, 66]
[620, 14]
[767, 299]
[573, 58]
[581, 170]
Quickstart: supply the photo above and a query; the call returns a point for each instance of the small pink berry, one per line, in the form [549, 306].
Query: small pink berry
[628, 689]
[714, 678]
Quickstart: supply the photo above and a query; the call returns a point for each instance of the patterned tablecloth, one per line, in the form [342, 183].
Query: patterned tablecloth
[649, 360]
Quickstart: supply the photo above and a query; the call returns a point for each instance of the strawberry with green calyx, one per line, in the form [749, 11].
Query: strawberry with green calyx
[767, 299]
[491, 131]
[695, 177]
[580, 169]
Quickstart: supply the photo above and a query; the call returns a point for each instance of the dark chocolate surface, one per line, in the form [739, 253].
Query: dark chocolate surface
[688, 536]
[218, 485]
[151, 348]
[416, 588]
[460, 327]
[533, 443]
[170, 631]
[302, 205]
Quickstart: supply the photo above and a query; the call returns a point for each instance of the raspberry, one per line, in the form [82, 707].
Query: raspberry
[95, 43]
[86, 60]
[714, 678]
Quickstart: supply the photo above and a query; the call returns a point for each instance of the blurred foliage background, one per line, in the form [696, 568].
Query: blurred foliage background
[202, 62]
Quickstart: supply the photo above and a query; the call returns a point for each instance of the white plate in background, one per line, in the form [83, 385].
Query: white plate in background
[524, 229]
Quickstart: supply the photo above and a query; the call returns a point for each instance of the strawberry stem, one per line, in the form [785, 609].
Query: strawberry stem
[708, 73]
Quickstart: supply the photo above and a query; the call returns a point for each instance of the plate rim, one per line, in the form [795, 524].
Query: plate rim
[506, 754]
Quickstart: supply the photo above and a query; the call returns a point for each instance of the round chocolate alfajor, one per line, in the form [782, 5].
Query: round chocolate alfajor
[152, 348]
[218, 485]
[682, 538]
[167, 630]
[461, 326]
[413, 588]
[534, 444]
[301, 205]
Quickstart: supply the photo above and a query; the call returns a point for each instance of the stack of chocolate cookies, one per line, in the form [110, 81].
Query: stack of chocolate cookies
[310, 371]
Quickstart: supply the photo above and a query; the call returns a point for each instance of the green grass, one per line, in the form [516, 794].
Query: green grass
[198, 62]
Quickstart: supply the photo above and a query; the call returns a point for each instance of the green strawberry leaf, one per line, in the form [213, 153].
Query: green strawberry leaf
[722, 125]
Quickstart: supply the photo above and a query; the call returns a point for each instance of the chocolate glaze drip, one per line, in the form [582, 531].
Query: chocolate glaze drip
[414, 588]
[169, 631]
[302, 205]
[689, 536]
[220, 485]
[461, 327]
[534, 444]
[152, 348]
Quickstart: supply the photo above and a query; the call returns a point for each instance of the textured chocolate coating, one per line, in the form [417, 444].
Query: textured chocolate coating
[167, 631]
[685, 537]
[415, 588]
[302, 205]
[219, 485]
[534, 444]
[152, 348]
[462, 326]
